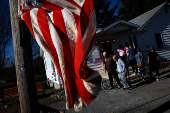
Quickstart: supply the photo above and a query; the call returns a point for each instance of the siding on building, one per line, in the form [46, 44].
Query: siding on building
[118, 41]
[95, 60]
[159, 24]
[48, 67]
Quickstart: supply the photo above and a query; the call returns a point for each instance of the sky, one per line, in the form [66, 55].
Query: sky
[10, 48]
[113, 2]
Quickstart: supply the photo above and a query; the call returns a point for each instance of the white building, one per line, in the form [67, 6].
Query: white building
[51, 72]
[149, 29]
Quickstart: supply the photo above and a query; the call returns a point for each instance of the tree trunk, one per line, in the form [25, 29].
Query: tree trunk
[23, 63]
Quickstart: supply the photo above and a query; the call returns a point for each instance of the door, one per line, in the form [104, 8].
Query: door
[106, 46]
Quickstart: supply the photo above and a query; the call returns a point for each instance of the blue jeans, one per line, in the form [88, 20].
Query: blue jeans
[124, 81]
[142, 71]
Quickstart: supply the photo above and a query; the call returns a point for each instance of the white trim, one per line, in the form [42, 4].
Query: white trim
[121, 21]
[99, 30]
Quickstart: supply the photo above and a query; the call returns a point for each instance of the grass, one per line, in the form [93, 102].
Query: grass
[41, 77]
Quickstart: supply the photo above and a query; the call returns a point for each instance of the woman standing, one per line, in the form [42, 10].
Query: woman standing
[139, 59]
[132, 62]
[121, 52]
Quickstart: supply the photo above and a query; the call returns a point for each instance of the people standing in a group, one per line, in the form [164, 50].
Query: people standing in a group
[153, 60]
[110, 67]
[121, 52]
[139, 60]
[122, 71]
[132, 61]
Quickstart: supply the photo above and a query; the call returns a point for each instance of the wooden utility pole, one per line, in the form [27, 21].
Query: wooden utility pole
[23, 62]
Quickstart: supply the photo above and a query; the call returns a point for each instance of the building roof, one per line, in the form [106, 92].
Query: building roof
[116, 27]
[143, 19]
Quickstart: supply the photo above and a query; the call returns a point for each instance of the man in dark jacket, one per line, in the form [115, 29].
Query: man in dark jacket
[110, 67]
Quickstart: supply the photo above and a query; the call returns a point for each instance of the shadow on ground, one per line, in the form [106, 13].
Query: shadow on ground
[164, 107]
[140, 83]
[46, 109]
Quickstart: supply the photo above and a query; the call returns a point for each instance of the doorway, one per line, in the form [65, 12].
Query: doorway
[107, 47]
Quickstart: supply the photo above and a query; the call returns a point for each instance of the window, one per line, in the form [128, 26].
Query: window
[159, 41]
[106, 46]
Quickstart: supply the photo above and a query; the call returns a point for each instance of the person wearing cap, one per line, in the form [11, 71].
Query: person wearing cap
[122, 71]
[153, 60]
[110, 67]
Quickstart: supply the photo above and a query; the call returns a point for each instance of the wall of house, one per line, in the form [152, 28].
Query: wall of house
[119, 40]
[159, 24]
[95, 60]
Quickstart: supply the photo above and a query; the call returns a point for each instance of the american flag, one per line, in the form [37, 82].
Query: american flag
[66, 31]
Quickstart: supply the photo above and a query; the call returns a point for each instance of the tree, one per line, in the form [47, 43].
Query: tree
[132, 8]
[154, 3]
[5, 32]
[104, 16]
[9, 61]
[35, 48]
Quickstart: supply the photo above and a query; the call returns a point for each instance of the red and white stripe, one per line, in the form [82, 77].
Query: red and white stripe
[65, 30]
